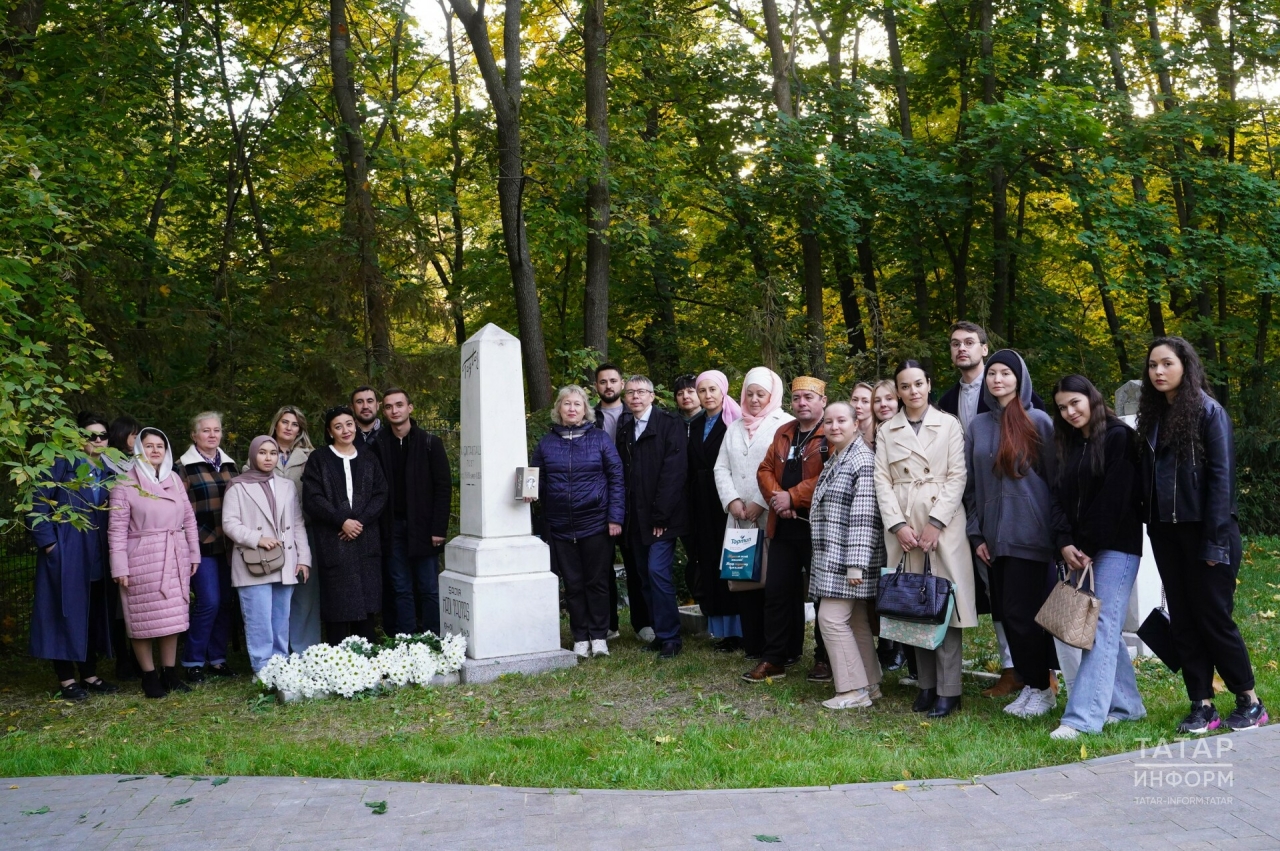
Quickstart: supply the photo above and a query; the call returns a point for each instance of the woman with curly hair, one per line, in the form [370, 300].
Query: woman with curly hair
[1188, 495]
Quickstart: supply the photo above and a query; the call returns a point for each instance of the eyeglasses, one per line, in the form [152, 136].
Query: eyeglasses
[638, 392]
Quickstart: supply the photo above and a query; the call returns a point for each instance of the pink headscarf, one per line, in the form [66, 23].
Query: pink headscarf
[761, 376]
[730, 411]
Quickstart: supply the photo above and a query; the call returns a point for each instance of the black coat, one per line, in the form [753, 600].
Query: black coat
[707, 521]
[350, 571]
[1200, 488]
[428, 491]
[655, 469]
[1099, 509]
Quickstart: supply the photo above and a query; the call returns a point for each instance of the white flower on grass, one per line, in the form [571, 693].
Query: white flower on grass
[356, 666]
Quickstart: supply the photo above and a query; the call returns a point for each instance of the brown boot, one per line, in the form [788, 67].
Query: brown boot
[1009, 683]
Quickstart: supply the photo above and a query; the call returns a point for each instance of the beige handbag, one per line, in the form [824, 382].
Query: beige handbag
[260, 562]
[1071, 612]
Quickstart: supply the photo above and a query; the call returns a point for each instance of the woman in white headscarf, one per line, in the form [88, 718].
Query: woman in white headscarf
[155, 550]
[746, 441]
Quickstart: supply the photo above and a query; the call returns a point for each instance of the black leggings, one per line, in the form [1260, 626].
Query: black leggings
[1201, 600]
[586, 566]
[1022, 586]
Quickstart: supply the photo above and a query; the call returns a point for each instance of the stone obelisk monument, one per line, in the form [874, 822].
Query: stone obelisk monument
[498, 589]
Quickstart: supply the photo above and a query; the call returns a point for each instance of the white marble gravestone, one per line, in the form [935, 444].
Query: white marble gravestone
[498, 589]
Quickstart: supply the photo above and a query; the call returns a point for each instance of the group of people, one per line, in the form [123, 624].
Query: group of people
[986, 489]
[312, 542]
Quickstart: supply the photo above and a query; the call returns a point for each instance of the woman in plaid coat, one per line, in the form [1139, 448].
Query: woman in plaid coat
[848, 553]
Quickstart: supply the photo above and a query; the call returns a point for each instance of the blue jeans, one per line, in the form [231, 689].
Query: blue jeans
[304, 612]
[414, 582]
[266, 621]
[1105, 684]
[210, 614]
[659, 586]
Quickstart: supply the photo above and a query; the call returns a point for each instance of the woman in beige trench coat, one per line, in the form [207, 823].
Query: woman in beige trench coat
[920, 478]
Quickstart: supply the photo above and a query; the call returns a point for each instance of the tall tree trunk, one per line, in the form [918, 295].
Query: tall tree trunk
[359, 220]
[595, 302]
[919, 275]
[999, 185]
[1155, 312]
[454, 290]
[1104, 291]
[782, 59]
[504, 89]
[659, 342]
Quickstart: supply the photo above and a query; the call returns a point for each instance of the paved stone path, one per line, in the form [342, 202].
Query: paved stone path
[1097, 804]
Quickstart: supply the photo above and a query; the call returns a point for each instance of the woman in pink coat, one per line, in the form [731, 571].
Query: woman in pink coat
[155, 550]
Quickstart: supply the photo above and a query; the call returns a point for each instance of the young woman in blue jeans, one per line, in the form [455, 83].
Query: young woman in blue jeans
[1097, 469]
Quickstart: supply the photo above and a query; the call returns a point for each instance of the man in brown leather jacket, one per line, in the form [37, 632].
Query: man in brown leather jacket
[787, 477]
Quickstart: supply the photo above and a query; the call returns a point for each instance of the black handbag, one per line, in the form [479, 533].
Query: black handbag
[913, 597]
[1157, 633]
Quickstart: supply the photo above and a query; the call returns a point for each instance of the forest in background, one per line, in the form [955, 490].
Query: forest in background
[239, 204]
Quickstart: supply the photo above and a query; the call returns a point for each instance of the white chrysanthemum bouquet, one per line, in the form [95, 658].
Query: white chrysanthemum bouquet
[356, 665]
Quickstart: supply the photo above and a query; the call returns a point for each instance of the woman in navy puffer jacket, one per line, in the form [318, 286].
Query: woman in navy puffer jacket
[583, 508]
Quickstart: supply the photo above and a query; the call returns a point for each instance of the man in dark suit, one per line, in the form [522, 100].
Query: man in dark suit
[653, 445]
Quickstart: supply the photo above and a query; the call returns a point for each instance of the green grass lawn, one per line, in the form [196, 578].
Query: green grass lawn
[623, 722]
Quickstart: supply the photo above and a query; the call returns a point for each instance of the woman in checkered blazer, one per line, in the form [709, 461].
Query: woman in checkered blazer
[848, 553]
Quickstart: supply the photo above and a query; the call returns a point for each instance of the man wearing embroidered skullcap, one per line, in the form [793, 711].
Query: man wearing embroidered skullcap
[787, 476]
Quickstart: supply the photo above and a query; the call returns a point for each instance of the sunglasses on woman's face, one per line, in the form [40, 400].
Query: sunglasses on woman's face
[97, 435]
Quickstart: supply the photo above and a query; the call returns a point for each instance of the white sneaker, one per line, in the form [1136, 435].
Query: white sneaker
[856, 699]
[646, 635]
[908, 680]
[599, 647]
[1064, 732]
[1112, 719]
[612, 634]
[1019, 702]
[582, 649]
[1040, 702]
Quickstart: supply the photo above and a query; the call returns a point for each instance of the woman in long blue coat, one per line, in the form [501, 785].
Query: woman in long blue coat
[71, 612]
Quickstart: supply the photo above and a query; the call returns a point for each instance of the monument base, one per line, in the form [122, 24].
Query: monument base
[505, 615]
[488, 670]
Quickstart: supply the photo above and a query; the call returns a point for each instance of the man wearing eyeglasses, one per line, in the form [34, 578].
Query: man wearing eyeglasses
[652, 446]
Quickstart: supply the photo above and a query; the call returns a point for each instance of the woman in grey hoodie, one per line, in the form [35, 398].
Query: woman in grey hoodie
[1010, 462]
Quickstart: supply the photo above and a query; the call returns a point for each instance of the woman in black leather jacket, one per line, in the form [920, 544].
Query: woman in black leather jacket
[1188, 497]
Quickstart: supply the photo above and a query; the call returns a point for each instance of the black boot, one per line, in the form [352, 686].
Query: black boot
[151, 685]
[944, 706]
[171, 680]
[924, 700]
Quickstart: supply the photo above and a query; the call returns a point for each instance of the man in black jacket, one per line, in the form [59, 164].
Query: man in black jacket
[611, 414]
[416, 519]
[652, 445]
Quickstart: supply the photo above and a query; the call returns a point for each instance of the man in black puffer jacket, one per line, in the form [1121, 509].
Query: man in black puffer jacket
[652, 446]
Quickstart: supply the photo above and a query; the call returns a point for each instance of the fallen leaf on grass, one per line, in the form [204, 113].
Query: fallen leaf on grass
[606, 703]
[1267, 615]
[900, 787]
[180, 802]
[764, 837]
[38, 812]
[14, 786]
[379, 807]
[218, 781]
[906, 775]
[198, 779]
[661, 740]
[1084, 752]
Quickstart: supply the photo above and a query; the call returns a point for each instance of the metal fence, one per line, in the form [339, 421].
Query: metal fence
[17, 586]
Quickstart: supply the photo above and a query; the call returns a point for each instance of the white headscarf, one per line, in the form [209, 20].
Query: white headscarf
[144, 466]
[763, 377]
